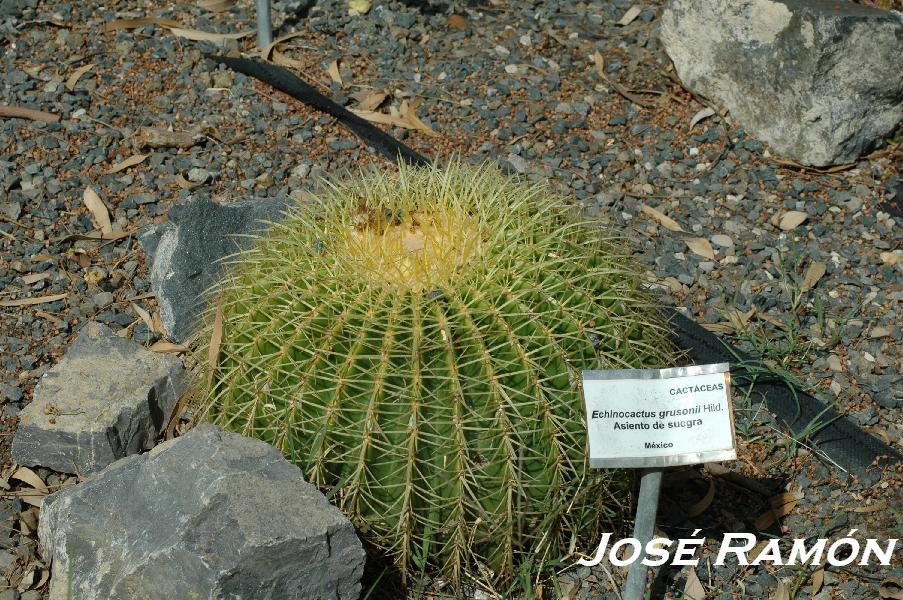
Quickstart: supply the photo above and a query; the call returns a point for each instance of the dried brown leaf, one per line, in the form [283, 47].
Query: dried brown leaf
[702, 247]
[29, 477]
[18, 112]
[157, 323]
[135, 159]
[158, 137]
[792, 219]
[45, 575]
[99, 212]
[782, 592]
[216, 5]
[817, 580]
[76, 75]
[215, 340]
[666, 221]
[33, 300]
[29, 518]
[705, 113]
[781, 505]
[704, 503]
[370, 101]
[95, 236]
[632, 13]
[208, 36]
[145, 316]
[135, 23]
[815, 272]
[693, 589]
[35, 277]
[870, 508]
[333, 71]
[284, 61]
[718, 327]
[267, 51]
[409, 113]
[891, 588]
[165, 347]
[739, 320]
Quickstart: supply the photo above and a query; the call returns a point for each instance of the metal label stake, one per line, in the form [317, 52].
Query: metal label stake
[264, 24]
[652, 419]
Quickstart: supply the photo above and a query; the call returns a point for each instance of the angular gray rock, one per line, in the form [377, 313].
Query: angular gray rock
[819, 81]
[106, 399]
[185, 253]
[207, 515]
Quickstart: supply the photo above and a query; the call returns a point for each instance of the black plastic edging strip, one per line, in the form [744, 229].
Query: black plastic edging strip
[835, 435]
[285, 81]
[839, 438]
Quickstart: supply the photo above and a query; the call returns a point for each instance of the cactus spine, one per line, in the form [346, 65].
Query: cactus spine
[414, 341]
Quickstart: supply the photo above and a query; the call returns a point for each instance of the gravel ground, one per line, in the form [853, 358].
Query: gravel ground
[529, 83]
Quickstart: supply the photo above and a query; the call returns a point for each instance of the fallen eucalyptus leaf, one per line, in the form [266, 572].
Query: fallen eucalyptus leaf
[216, 5]
[98, 210]
[135, 23]
[815, 272]
[370, 100]
[168, 347]
[208, 36]
[135, 159]
[693, 589]
[29, 477]
[76, 75]
[702, 247]
[817, 580]
[705, 113]
[333, 71]
[215, 340]
[33, 300]
[891, 588]
[158, 137]
[666, 221]
[632, 13]
[792, 219]
[704, 503]
[782, 592]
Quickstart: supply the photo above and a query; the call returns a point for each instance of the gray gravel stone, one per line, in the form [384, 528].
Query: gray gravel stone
[106, 399]
[207, 515]
[184, 253]
[818, 81]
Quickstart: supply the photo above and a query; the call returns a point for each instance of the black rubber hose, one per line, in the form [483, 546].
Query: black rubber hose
[835, 435]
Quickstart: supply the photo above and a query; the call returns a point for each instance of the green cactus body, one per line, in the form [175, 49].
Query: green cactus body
[414, 342]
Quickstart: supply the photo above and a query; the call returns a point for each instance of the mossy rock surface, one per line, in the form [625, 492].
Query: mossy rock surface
[414, 341]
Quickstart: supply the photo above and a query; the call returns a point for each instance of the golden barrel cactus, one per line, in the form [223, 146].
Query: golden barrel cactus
[414, 341]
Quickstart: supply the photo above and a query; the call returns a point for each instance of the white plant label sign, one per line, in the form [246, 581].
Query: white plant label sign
[659, 417]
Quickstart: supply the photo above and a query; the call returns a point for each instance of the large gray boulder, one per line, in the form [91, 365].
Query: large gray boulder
[187, 251]
[819, 80]
[207, 515]
[106, 399]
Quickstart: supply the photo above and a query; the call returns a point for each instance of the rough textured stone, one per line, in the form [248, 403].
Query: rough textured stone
[186, 252]
[819, 81]
[207, 515]
[106, 399]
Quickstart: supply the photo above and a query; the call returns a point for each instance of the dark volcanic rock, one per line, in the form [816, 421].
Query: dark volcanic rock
[186, 251]
[106, 399]
[207, 515]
